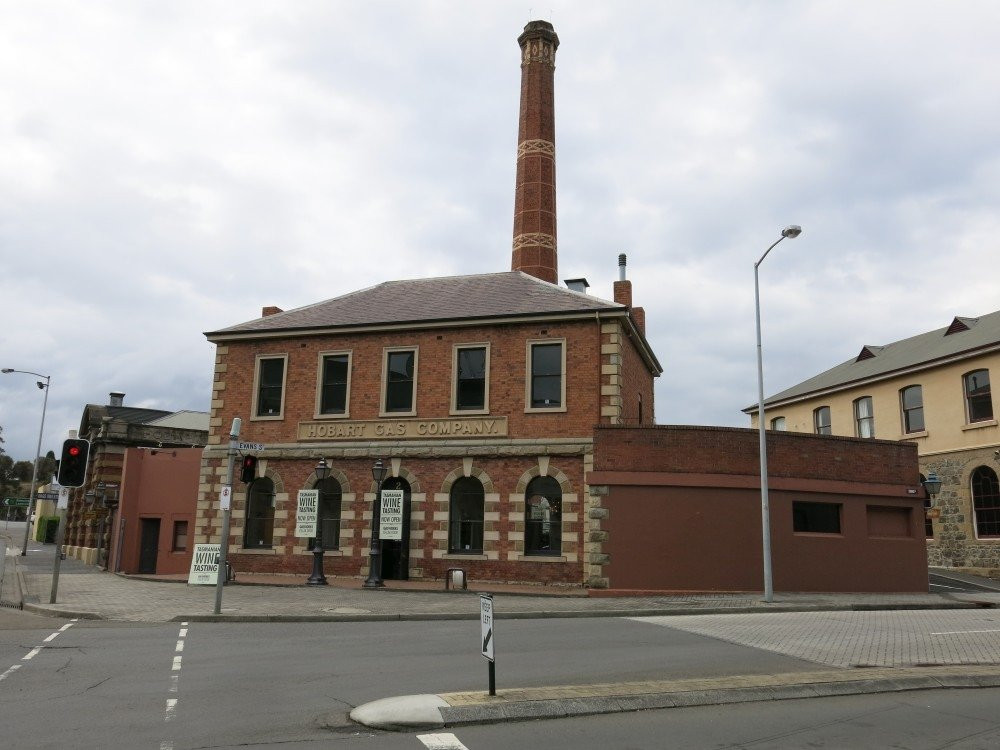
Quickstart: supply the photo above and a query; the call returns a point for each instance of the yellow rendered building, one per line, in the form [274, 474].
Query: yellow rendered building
[932, 389]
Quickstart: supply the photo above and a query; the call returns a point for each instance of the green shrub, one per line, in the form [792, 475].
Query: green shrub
[46, 529]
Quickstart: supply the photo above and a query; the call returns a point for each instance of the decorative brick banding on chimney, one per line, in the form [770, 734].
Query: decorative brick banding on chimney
[534, 246]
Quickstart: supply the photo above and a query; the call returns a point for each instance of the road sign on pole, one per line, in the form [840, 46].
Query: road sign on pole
[487, 635]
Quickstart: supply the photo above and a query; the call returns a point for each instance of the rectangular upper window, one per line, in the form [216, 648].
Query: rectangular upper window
[546, 381]
[334, 383]
[400, 381]
[864, 417]
[816, 518]
[269, 393]
[821, 421]
[978, 401]
[911, 401]
[180, 540]
[470, 370]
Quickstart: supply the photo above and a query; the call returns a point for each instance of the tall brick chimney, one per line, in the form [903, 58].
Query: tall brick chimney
[534, 248]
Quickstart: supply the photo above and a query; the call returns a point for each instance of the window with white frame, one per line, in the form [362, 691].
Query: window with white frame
[546, 375]
[978, 401]
[821, 421]
[334, 383]
[911, 401]
[400, 381]
[864, 417]
[471, 378]
[269, 393]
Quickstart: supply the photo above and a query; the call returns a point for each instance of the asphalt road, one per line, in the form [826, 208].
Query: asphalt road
[98, 684]
[173, 686]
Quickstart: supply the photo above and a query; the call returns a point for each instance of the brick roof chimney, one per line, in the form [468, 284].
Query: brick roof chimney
[534, 247]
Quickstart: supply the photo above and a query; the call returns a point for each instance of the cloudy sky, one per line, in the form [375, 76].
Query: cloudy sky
[169, 168]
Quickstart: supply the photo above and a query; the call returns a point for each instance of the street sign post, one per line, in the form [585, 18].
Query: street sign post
[390, 520]
[16, 502]
[488, 638]
[252, 447]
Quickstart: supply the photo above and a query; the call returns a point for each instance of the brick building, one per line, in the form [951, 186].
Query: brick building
[677, 508]
[112, 429]
[479, 392]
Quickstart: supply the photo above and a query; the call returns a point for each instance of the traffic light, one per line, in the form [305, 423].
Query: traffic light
[249, 471]
[73, 463]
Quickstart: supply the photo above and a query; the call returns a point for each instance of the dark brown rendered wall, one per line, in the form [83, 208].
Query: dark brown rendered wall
[163, 484]
[683, 511]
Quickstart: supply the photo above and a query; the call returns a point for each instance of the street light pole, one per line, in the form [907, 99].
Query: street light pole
[790, 232]
[38, 449]
[317, 578]
[374, 580]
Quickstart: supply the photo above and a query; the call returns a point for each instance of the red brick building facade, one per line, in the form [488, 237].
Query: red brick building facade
[480, 394]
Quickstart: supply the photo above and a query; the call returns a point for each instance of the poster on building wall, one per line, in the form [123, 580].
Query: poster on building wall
[307, 512]
[390, 524]
[205, 564]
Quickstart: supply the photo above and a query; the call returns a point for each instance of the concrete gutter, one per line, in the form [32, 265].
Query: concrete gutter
[55, 610]
[417, 712]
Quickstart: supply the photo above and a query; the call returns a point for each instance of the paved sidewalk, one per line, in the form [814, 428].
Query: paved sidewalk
[87, 592]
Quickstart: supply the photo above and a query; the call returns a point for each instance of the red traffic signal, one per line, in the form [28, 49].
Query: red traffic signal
[73, 463]
[249, 471]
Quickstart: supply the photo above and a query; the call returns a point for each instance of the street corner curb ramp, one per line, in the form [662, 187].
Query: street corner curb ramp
[420, 712]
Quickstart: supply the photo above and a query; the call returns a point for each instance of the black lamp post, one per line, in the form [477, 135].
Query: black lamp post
[374, 580]
[932, 484]
[317, 578]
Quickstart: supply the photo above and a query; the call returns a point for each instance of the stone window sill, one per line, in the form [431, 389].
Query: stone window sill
[541, 558]
[979, 425]
[460, 556]
[913, 435]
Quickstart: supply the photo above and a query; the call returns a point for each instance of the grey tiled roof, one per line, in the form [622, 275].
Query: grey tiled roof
[493, 295]
[924, 349]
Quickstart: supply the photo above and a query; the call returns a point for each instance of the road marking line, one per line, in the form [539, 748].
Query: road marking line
[31, 654]
[171, 714]
[443, 741]
[67, 626]
[180, 646]
[182, 633]
[174, 678]
[177, 663]
[9, 671]
[167, 745]
[960, 632]
[51, 637]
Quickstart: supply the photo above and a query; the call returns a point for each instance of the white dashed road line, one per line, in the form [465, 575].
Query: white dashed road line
[170, 711]
[444, 741]
[36, 650]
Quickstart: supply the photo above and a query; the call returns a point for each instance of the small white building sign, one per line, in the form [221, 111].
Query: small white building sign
[391, 515]
[307, 513]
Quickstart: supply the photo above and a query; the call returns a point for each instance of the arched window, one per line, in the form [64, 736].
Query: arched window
[543, 517]
[259, 530]
[465, 519]
[329, 513]
[986, 501]
[864, 417]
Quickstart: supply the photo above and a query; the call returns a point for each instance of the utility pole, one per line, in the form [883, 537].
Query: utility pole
[226, 501]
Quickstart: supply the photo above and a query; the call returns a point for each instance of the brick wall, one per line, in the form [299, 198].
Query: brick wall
[696, 450]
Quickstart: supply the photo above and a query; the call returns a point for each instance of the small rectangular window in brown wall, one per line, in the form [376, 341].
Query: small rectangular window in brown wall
[888, 521]
[180, 542]
[816, 518]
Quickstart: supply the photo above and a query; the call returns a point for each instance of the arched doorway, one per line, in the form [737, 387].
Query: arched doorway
[396, 554]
